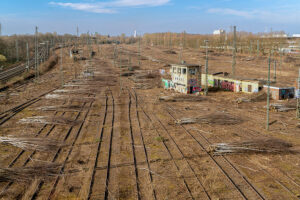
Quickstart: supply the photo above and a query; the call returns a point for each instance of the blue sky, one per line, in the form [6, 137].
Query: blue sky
[124, 16]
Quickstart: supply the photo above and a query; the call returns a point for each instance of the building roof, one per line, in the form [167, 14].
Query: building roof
[277, 87]
[186, 65]
[228, 77]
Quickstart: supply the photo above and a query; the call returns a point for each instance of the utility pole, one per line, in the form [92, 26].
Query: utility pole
[87, 42]
[206, 69]
[170, 43]
[281, 53]
[298, 97]
[129, 61]
[115, 55]
[234, 52]
[268, 94]
[120, 71]
[275, 62]
[139, 51]
[27, 56]
[98, 46]
[36, 59]
[257, 50]
[298, 94]
[77, 37]
[180, 54]
[17, 50]
[89, 46]
[47, 50]
[184, 39]
[61, 66]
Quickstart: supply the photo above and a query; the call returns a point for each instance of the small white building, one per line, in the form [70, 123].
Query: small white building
[296, 35]
[219, 32]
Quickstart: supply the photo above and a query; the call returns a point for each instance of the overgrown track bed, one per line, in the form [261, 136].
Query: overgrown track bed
[188, 187]
[36, 185]
[7, 115]
[243, 187]
[143, 142]
[203, 190]
[99, 142]
[246, 189]
[110, 148]
[283, 181]
[133, 148]
[99, 181]
[40, 184]
[30, 156]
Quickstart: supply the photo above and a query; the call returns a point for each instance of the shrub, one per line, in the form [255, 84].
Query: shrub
[2, 58]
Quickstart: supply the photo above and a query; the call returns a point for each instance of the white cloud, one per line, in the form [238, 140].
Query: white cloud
[111, 6]
[84, 7]
[269, 16]
[228, 11]
[130, 3]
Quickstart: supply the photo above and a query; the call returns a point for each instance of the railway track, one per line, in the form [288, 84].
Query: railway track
[182, 156]
[244, 194]
[98, 151]
[39, 185]
[254, 134]
[169, 152]
[18, 156]
[110, 148]
[15, 71]
[18, 70]
[133, 148]
[144, 146]
[69, 152]
[7, 115]
[230, 171]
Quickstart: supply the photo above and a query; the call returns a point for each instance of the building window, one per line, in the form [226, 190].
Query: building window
[192, 71]
[179, 70]
[184, 71]
[174, 69]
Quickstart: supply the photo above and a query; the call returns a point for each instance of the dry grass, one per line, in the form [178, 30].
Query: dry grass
[181, 98]
[63, 108]
[256, 97]
[170, 52]
[49, 120]
[26, 143]
[214, 118]
[27, 174]
[265, 145]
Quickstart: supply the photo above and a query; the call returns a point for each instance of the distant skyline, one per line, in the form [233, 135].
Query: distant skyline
[148, 16]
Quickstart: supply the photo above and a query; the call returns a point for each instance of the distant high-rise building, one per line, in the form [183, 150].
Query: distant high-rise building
[135, 34]
[0, 29]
